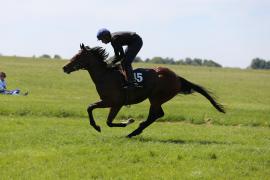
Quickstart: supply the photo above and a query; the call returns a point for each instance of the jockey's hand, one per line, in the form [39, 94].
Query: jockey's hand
[112, 64]
[115, 61]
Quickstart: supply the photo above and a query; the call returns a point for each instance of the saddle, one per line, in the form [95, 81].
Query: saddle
[138, 77]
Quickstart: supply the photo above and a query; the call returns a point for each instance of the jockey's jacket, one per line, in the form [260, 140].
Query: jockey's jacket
[122, 38]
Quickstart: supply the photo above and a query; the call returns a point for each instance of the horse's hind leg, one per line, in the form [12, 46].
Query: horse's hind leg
[155, 112]
[112, 115]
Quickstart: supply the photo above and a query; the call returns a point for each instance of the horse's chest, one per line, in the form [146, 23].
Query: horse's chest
[106, 91]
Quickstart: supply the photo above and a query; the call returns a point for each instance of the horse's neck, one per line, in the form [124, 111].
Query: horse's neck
[97, 74]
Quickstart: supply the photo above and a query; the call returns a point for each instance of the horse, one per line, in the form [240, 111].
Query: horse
[159, 85]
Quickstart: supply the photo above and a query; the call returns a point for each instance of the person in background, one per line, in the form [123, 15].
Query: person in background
[3, 86]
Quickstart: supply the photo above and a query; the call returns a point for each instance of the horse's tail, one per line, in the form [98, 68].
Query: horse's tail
[188, 87]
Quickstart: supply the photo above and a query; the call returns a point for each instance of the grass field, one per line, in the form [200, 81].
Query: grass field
[46, 135]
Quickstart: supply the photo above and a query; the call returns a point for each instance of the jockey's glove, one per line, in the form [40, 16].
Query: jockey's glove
[115, 61]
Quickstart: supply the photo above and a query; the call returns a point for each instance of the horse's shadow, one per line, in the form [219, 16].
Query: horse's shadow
[180, 141]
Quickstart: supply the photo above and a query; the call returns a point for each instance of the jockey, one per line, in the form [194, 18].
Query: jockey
[119, 39]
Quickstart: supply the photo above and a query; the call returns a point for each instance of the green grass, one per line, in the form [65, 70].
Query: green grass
[64, 148]
[46, 135]
[245, 93]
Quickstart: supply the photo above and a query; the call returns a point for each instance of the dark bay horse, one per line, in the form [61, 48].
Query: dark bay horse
[158, 85]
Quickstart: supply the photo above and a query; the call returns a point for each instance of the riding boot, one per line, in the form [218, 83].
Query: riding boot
[130, 78]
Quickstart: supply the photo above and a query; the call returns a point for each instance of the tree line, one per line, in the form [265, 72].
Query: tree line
[159, 60]
[186, 61]
[258, 63]
[47, 56]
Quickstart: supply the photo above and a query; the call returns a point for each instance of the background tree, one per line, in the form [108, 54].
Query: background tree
[188, 61]
[197, 62]
[45, 56]
[138, 59]
[157, 60]
[258, 63]
[210, 63]
[180, 62]
[267, 65]
[56, 56]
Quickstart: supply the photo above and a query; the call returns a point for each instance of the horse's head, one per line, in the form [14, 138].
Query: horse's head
[86, 58]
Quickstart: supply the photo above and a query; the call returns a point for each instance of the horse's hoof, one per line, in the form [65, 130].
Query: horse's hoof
[129, 136]
[97, 128]
[130, 121]
[134, 133]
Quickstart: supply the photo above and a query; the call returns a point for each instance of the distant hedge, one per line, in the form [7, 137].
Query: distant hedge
[56, 56]
[258, 63]
[186, 61]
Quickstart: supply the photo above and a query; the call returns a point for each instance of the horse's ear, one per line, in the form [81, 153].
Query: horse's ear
[82, 47]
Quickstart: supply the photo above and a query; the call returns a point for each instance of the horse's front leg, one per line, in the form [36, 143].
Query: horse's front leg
[100, 104]
[113, 112]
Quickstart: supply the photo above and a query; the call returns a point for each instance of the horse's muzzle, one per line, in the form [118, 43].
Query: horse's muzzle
[65, 69]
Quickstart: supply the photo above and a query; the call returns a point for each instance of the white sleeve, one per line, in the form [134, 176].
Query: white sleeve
[2, 85]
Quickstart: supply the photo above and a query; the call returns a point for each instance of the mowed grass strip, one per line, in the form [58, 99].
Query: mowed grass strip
[64, 148]
[245, 93]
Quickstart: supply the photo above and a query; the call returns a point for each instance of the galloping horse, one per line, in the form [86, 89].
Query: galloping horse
[158, 85]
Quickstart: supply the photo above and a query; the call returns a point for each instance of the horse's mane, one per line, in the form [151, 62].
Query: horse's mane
[99, 52]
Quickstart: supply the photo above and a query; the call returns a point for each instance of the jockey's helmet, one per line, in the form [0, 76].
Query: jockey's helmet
[103, 33]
